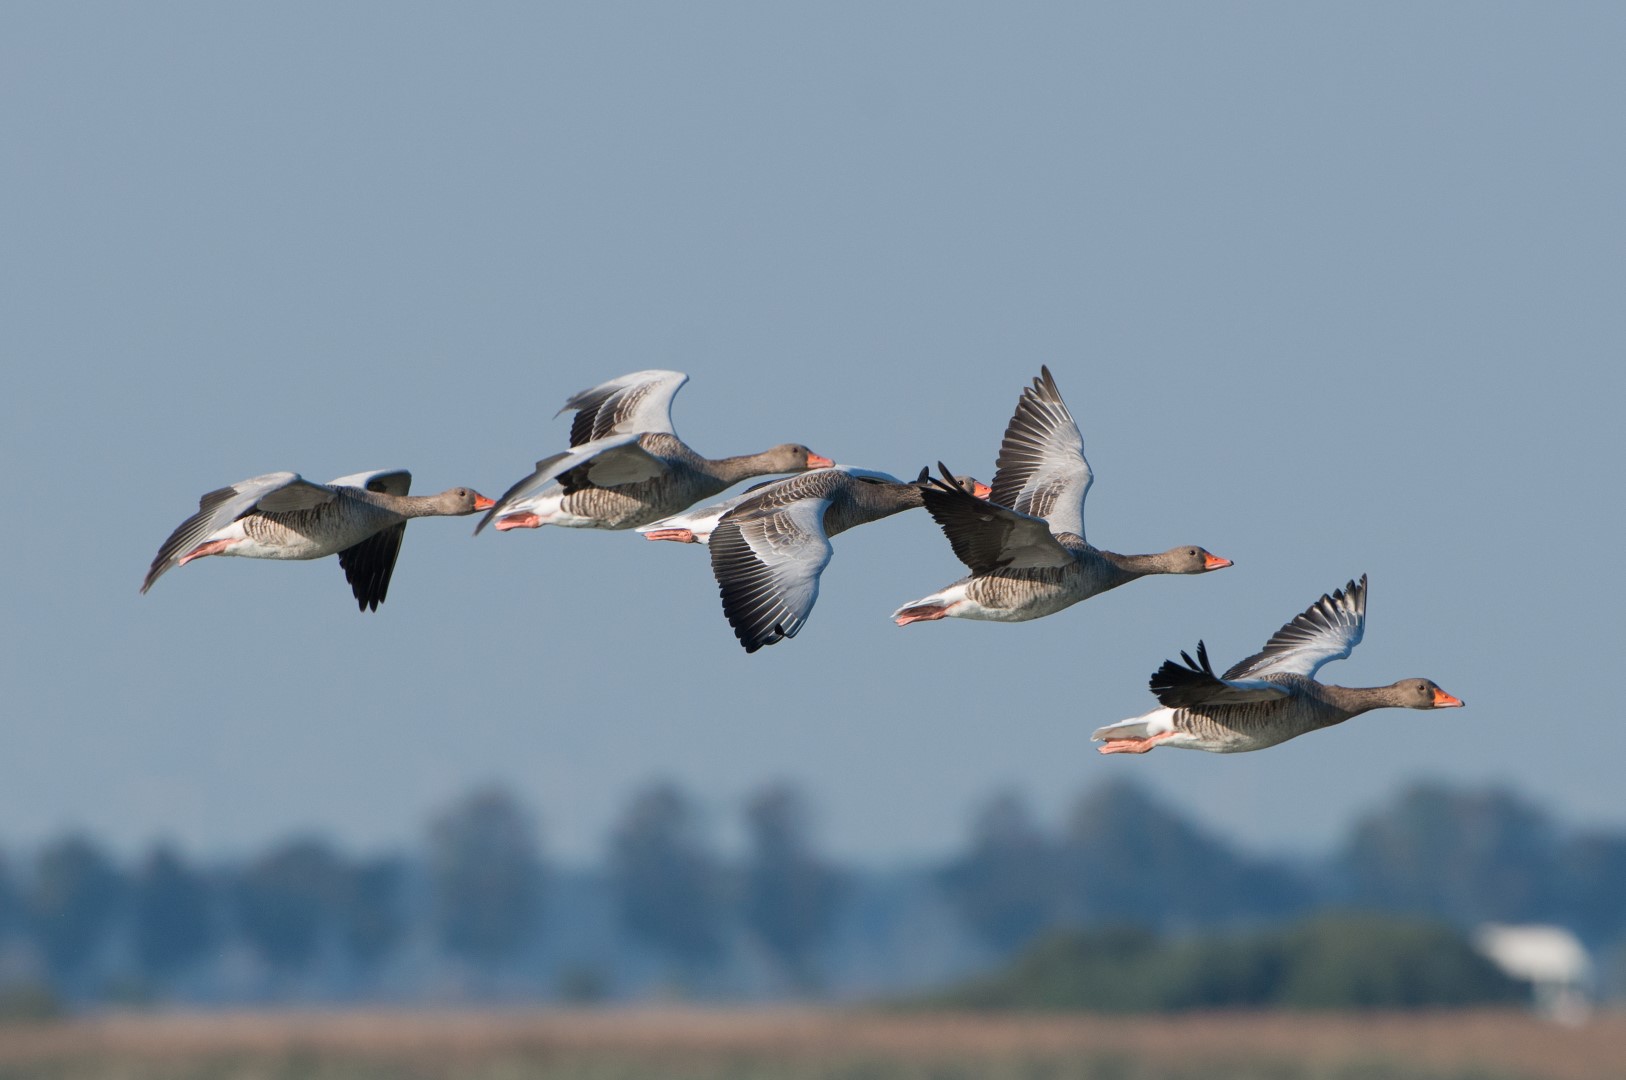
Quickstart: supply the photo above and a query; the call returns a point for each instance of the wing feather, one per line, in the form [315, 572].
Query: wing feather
[767, 563]
[276, 491]
[608, 462]
[1329, 629]
[635, 403]
[1194, 684]
[987, 536]
[386, 481]
[1041, 470]
[369, 564]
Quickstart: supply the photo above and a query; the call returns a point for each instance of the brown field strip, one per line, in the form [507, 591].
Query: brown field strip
[1503, 1042]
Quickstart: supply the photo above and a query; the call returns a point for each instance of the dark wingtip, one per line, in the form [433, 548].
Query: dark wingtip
[932, 483]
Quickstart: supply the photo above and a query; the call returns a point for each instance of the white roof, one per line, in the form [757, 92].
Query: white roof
[1542, 954]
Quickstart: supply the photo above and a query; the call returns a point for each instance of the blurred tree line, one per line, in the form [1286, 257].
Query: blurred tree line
[480, 913]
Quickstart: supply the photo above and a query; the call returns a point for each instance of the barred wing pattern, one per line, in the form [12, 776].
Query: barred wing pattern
[607, 462]
[635, 403]
[1328, 630]
[987, 536]
[1195, 685]
[767, 564]
[274, 492]
[1041, 469]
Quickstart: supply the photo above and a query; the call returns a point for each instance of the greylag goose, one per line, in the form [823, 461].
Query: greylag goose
[1025, 546]
[626, 466]
[1273, 695]
[769, 545]
[360, 518]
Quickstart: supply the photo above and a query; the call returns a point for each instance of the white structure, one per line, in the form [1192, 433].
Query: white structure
[1550, 958]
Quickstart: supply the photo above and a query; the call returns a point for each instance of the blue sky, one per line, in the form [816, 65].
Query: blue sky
[1330, 290]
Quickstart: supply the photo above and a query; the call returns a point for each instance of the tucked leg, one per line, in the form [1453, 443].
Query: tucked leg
[1133, 746]
[213, 547]
[924, 613]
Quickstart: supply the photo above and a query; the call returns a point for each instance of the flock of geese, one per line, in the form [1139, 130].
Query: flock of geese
[1022, 538]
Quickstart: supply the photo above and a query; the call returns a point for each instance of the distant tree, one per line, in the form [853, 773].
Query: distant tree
[171, 923]
[372, 922]
[1376, 962]
[1005, 886]
[486, 877]
[1129, 858]
[1593, 873]
[1465, 856]
[287, 902]
[1335, 962]
[790, 893]
[671, 891]
[73, 903]
[13, 912]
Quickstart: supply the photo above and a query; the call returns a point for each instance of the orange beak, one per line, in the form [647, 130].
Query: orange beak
[815, 461]
[1442, 700]
[483, 503]
[980, 489]
[1214, 562]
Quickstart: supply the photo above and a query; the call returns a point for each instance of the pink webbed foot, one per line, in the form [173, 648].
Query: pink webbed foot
[682, 536]
[925, 613]
[1132, 746]
[213, 547]
[526, 520]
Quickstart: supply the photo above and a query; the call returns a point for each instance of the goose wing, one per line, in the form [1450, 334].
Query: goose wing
[368, 565]
[633, 403]
[987, 536]
[387, 481]
[273, 492]
[701, 522]
[1041, 470]
[607, 462]
[1194, 684]
[767, 555]
[1329, 629]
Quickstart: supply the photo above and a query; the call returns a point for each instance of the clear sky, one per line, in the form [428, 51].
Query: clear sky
[1331, 289]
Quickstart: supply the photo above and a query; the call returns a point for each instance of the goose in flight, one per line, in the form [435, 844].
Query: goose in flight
[769, 545]
[1273, 695]
[626, 466]
[361, 518]
[1025, 545]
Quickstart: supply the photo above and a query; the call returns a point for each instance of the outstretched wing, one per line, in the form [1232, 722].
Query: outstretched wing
[1041, 469]
[368, 565]
[987, 536]
[607, 462]
[767, 562]
[1329, 629]
[273, 492]
[633, 403]
[1194, 684]
[388, 481]
[783, 489]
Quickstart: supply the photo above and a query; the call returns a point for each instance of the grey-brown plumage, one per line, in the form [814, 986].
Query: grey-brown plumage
[1271, 696]
[769, 548]
[361, 518]
[626, 466]
[1025, 546]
